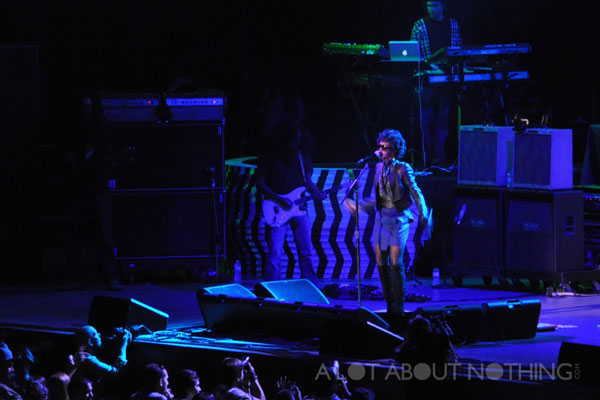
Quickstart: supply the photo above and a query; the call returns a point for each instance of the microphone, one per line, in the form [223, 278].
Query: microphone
[461, 214]
[376, 154]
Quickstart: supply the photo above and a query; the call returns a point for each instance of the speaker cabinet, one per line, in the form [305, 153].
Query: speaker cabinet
[503, 320]
[544, 159]
[276, 318]
[177, 156]
[545, 231]
[291, 290]
[107, 313]
[512, 319]
[479, 230]
[163, 224]
[484, 155]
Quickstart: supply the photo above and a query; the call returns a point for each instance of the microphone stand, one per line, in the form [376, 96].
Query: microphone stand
[354, 187]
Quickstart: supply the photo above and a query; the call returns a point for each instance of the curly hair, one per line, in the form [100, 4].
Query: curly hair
[396, 141]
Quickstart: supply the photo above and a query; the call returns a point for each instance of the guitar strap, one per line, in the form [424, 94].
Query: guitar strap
[302, 166]
[303, 172]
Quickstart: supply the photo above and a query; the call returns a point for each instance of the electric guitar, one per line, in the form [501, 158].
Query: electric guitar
[275, 215]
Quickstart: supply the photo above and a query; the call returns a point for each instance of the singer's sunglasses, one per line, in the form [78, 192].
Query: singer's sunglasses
[383, 147]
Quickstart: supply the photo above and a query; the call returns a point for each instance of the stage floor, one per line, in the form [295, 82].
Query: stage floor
[575, 318]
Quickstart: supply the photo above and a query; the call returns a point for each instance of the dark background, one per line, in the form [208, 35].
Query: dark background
[240, 47]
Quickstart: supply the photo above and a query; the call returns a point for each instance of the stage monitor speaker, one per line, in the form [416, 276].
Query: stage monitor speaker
[276, 318]
[479, 230]
[163, 224]
[545, 231]
[107, 313]
[291, 290]
[580, 359]
[543, 159]
[359, 339]
[512, 319]
[466, 321]
[176, 156]
[232, 289]
[485, 154]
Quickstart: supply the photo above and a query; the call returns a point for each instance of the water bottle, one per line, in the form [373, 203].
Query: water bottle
[435, 277]
[130, 274]
[237, 271]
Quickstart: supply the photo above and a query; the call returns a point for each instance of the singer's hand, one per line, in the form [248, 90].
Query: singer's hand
[350, 206]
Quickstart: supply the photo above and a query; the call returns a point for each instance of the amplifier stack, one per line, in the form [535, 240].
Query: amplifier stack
[517, 214]
[167, 190]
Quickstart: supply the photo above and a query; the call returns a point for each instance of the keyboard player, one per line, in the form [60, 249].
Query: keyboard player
[433, 32]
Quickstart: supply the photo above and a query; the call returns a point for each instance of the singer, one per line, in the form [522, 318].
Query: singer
[395, 189]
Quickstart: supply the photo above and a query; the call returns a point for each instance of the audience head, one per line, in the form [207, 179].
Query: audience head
[155, 378]
[419, 328]
[58, 386]
[327, 382]
[88, 336]
[231, 371]
[185, 384]
[81, 389]
[285, 394]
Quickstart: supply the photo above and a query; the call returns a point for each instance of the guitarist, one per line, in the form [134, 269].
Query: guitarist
[395, 189]
[284, 165]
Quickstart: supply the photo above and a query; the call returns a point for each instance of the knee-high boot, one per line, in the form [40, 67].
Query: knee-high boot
[397, 289]
[385, 278]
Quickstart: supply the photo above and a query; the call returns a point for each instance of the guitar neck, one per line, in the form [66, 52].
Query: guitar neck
[306, 199]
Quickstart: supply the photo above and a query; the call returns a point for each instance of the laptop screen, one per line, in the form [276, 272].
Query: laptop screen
[405, 51]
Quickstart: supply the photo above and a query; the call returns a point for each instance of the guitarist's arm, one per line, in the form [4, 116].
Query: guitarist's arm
[283, 202]
[314, 190]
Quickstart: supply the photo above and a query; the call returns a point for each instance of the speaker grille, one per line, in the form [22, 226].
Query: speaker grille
[478, 157]
[485, 155]
[532, 160]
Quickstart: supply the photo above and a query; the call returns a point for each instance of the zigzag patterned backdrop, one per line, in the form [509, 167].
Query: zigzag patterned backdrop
[333, 231]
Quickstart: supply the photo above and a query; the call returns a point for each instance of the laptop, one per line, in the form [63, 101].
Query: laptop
[405, 51]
